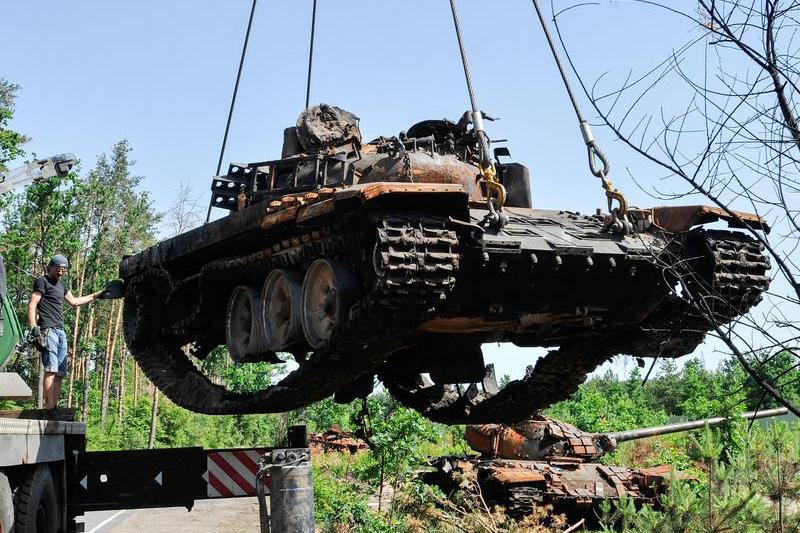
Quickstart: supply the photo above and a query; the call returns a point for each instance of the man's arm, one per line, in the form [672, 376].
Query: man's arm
[32, 303]
[80, 300]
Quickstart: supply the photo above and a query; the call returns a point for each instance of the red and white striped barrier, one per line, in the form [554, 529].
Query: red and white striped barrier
[233, 473]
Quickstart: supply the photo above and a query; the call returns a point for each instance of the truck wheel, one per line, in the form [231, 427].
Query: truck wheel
[36, 503]
[6, 506]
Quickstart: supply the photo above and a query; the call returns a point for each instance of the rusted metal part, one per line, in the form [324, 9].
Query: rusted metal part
[323, 125]
[573, 488]
[336, 440]
[421, 167]
[538, 438]
[307, 206]
[677, 219]
[542, 437]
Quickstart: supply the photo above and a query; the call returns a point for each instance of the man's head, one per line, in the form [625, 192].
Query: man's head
[57, 266]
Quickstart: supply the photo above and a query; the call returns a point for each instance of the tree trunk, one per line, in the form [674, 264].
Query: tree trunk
[153, 419]
[89, 335]
[73, 355]
[121, 391]
[380, 486]
[108, 364]
[135, 383]
[114, 338]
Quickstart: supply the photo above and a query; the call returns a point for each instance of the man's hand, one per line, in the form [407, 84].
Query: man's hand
[113, 290]
[36, 338]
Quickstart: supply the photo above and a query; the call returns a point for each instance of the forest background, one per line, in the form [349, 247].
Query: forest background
[96, 215]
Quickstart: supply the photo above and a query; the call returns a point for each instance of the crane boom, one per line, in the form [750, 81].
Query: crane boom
[57, 165]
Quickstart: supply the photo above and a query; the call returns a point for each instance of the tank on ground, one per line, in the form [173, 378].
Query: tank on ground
[386, 259]
[544, 461]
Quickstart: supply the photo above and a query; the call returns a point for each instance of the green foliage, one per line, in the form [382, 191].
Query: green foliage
[344, 506]
[325, 414]
[10, 141]
[396, 435]
[607, 404]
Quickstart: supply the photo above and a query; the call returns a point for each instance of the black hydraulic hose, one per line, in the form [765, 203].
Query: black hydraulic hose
[233, 100]
[311, 52]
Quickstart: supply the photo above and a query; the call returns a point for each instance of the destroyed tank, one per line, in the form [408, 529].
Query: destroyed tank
[397, 258]
[545, 461]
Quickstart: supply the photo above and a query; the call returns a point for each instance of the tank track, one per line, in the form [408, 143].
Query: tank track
[411, 270]
[728, 273]
[739, 274]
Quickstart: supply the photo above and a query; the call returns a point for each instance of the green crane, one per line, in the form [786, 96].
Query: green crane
[57, 165]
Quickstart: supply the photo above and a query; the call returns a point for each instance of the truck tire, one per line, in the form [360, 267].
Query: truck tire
[36, 503]
[6, 506]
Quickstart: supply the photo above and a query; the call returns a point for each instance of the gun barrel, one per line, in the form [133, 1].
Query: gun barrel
[622, 436]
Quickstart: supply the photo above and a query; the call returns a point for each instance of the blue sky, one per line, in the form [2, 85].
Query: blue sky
[160, 74]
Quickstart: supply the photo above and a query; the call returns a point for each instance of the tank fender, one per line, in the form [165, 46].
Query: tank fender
[677, 219]
[303, 211]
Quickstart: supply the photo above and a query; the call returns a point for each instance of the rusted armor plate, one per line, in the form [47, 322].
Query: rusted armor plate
[677, 219]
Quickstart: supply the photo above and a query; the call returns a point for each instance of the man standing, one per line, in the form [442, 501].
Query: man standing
[48, 296]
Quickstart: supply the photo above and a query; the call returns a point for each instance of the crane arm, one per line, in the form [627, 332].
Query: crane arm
[57, 165]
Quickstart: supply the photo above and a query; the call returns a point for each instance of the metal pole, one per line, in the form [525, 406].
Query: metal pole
[291, 498]
[263, 512]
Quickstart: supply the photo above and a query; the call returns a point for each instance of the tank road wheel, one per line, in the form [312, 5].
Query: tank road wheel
[329, 290]
[281, 309]
[243, 325]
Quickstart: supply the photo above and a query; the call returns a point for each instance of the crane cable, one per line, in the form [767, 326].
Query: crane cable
[233, 101]
[495, 192]
[311, 51]
[619, 220]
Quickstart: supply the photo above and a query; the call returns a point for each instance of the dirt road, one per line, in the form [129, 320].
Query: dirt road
[235, 515]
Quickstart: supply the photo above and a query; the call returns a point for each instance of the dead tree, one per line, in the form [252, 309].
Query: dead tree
[730, 137]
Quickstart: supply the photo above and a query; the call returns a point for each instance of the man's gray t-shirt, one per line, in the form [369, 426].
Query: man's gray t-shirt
[51, 306]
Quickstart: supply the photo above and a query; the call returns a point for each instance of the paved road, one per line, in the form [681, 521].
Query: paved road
[235, 515]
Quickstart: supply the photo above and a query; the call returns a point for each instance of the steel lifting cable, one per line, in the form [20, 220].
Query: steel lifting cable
[311, 51]
[594, 152]
[233, 101]
[495, 192]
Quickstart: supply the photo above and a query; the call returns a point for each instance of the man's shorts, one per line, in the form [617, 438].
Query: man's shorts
[54, 358]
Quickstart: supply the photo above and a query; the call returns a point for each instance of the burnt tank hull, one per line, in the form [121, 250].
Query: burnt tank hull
[575, 489]
[375, 260]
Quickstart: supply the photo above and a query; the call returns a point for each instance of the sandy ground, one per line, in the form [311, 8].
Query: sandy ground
[235, 515]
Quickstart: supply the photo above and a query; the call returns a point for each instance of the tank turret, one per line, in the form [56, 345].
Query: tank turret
[544, 461]
[545, 438]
